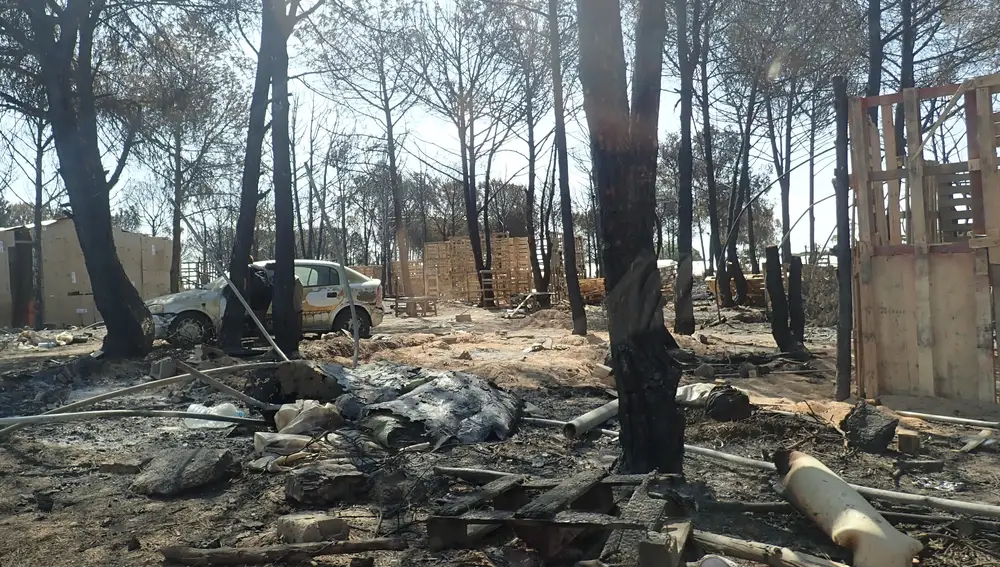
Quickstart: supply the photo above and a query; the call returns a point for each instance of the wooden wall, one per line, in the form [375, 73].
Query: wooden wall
[66, 284]
[927, 258]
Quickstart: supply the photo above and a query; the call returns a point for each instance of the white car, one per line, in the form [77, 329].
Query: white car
[194, 316]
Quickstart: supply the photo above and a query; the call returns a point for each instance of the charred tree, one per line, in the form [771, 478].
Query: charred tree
[796, 310]
[569, 236]
[624, 151]
[845, 317]
[683, 304]
[286, 315]
[876, 54]
[62, 43]
[232, 320]
[780, 329]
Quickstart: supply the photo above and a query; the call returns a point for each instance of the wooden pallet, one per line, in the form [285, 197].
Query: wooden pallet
[416, 306]
[649, 532]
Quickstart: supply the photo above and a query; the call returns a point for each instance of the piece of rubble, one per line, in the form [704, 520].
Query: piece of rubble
[533, 348]
[121, 467]
[748, 370]
[349, 406]
[601, 372]
[868, 428]
[307, 417]
[703, 339]
[705, 370]
[908, 442]
[310, 380]
[163, 368]
[308, 527]
[176, 471]
[726, 403]
[362, 562]
[133, 543]
[464, 355]
[324, 483]
[463, 318]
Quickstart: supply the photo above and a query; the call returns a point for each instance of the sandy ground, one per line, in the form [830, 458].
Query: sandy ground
[96, 520]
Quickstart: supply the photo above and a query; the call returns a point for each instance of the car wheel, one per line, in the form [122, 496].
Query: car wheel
[189, 329]
[343, 322]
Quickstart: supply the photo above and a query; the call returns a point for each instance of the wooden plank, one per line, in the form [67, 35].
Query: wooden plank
[623, 545]
[925, 93]
[665, 548]
[878, 190]
[915, 180]
[892, 164]
[560, 497]
[480, 496]
[988, 167]
[894, 327]
[975, 178]
[861, 170]
[868, 316]
[986, 381]
[566, 518]
[953, 312]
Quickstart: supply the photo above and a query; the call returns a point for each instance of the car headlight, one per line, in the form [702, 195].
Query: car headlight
[155, 309]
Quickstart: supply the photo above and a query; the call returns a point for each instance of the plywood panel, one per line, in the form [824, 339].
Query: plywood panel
[953, 312]
[894, 326]
[6, 242]
[129, 248]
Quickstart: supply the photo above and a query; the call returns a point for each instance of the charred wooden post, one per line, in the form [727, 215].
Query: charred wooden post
[845, 320]
[780, 330]
[796, 311]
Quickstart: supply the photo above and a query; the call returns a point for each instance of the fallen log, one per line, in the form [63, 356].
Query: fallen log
[842, 513]
[291, 553]
[581, 425]
[760, 552]
[22, 421]
[949, 419]
[144, 386]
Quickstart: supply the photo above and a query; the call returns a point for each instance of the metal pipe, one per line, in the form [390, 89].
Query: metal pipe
[590, 420]
[99, 414]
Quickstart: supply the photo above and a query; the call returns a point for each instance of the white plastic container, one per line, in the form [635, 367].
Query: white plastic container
[227, 409]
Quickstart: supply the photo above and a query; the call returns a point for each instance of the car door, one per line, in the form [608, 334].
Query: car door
[321, 296]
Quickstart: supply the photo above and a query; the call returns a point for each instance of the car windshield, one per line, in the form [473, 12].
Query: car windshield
[216, 284]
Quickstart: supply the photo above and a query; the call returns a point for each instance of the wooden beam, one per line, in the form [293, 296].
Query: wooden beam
[892, 165]
[986, 384]
[878, 190]
[915, 180]
[975, 178]
[861, 168]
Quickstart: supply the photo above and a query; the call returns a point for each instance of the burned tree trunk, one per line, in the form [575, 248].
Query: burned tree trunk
[683, 304]
[624, 164]
[845, 319]
[63, 44]
[796, 311]
[232, 320]
[569, 240]
[776, 294]
[286, 314]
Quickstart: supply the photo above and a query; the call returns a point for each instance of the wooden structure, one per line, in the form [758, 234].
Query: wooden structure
[927, 256]
[649, 532]
[449, 270]
[69, 298]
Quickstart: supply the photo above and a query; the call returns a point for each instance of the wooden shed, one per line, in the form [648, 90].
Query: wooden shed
[69, 298]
